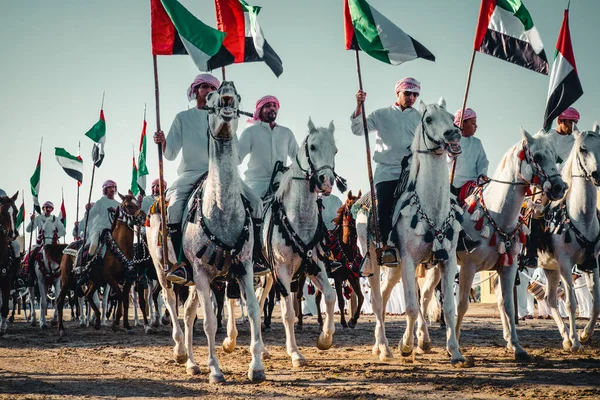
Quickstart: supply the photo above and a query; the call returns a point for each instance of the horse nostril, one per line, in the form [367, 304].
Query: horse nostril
[595, 175]
[557, 188]
[322, 178]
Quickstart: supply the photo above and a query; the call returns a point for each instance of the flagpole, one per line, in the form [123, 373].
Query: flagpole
[32, 227]
[462, 112]
[369, 168]
[77, 209]
[62, 191]
[161, 186]
[24, 214]
[223, 72]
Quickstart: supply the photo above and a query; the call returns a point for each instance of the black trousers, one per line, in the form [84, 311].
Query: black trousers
[385, 204]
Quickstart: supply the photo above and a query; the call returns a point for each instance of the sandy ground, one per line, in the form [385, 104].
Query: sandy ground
[37, 364]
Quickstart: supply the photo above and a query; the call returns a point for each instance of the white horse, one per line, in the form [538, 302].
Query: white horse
[493, 216]
[426, 230]
[292, 235]
[47, 274]
[218, 243]
[575, 233]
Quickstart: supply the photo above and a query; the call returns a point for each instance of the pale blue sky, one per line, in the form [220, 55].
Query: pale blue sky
[59, 56]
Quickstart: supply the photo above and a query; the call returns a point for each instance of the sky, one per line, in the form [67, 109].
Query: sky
[60, 56]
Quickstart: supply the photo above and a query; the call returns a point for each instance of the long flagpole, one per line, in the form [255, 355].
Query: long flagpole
[24, 214]
[77, 209]
[161, 186]
[87, 215]
[368, 150]
[62, 191]
[462, 113]
[32, 227]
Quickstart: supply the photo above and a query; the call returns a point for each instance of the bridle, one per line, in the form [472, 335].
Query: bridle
[586, 175]
[219, 107]
[311, 174]
[131, 219]
[10, 234]
[440, 144]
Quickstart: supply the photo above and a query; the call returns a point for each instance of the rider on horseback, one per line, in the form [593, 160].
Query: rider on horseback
[395, 128]
[563, 140]
[50, 229]
[472, 162]
[189, 135]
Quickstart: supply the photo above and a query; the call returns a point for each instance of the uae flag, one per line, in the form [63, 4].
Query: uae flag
[20, 215]
[368, 30]
[62, 215]
[143, 168]
[244, 41]
[565, 87]
[98, 134]
[72, 165]
[175, 30]
[134, 177]
[505, 30]
[34, 182]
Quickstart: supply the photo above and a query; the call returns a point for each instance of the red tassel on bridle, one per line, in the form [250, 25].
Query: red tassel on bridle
[536, 180]
[472, 207]
[493, 239]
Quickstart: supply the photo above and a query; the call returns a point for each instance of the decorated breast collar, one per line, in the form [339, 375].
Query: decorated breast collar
[440, 236]
[507, 244]
[558, 218]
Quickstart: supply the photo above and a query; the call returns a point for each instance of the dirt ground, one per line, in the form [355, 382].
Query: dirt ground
[86, 364]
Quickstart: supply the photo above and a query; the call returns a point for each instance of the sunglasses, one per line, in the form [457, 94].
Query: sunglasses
[408, 94]
[207, 86]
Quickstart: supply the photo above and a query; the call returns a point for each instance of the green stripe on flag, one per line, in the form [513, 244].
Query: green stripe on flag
[365, 29]
[97, 132]
[519, 10]
[20, 216]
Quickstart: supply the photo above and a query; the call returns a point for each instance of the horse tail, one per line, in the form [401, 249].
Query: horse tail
[434, 309]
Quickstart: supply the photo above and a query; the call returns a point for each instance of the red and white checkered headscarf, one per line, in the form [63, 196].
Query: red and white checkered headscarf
[261, 103]
[570, 114]
[408, 85]
[469, 113]
[200, 79]
[156, 181]
[48, 204]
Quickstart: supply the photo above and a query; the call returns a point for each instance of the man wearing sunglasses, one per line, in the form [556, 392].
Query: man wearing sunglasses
[394, 127]
[148, 200]
[49, 230]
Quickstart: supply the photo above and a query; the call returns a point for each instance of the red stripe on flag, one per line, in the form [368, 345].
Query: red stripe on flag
[163, 30]
[134, 166]
[563, 45]
[143, 136]
[230, 19]
[101, 115]
[485, 14]
[348, 27]
[39, 161]
[63, 212]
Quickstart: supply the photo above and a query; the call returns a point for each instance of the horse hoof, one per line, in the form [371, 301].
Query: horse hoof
[567, 345]
[351, 324]
[424, 347]
[584, 337]
[228, 345]
[323, 342]
[114, 327]
[386, 356]
[97, 325]
[130, 331]
[53, 323]
[299, 362]
[195, 370]
[459, 362]
[150, 330]
[155, 324]
[344, 326]
[61, 333]
[44, 326]
[181, 359]
[216, 378]
[266, 329]
[522, 356]
[405, 351]
[33, 323]
[256, 376]
[165, 320]
[11, 319]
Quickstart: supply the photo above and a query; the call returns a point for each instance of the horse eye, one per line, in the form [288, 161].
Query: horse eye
[583, 149]
[428, 120]
[538, 158]
[312, 147]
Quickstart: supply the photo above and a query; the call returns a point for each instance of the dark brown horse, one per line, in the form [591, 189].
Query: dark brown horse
[117, 265]
[9, 261]
[344, 249]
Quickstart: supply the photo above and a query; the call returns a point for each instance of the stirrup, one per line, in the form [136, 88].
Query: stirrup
[260, 270]
[362, 265]
[180, 276]
[389, 256]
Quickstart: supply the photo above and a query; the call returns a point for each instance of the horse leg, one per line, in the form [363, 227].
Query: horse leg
[318, 297]
[322, 283]
[412, 307]
[391, 279]
[190, 309]
[232, 332]
[43, 301]
[552, 300]
[506, 306]
[355, 283]
[170, 300]
[432, 279]
[298, 302]
[593, 284]
[105, 297]
[122, 305]
[287, 315]
[465, 281]
[256, 369]
[381, 347]
[90, 298]
[31, 291]
[570, 305]
[202, 282]
[266, 292]
[341, 301]
[142, 302]
[448, 270]
[56, 292]
[60, 303]
[132, 296]
[271, 305]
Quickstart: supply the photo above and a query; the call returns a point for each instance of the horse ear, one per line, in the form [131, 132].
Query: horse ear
[311, 126]
[14, 198]
[422, 107]
[576, 129]
[359, 193]
[121, 196]
[596, 127]
[350, 195]
[129, 192]
[526, 136]
[331, 127]
[442, 102]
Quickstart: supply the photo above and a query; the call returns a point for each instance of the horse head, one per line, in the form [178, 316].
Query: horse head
[223, 107]
[538, 165]
[316, 158]
[8, 216]
[587, 147]
[346, 221]
[437, 131]
[132, 209]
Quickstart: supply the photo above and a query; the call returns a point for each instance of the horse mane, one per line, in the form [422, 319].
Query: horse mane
[567, 171]
[416, 145]
[339, 214]
[508, 157]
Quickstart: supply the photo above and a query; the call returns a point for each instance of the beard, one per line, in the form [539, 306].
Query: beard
[270, 116]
